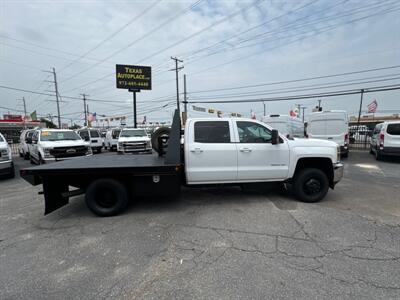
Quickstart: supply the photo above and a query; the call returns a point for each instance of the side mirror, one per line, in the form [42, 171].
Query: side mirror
[28, 140]
[275, 137]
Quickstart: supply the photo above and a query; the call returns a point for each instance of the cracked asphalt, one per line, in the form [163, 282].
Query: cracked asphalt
[212, 243]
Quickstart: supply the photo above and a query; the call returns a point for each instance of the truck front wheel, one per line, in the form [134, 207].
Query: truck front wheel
[310, 185]
[106, 197]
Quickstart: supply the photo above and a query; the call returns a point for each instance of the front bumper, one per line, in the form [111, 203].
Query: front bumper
[6, 167]
[390, 151]
[50, 159]
[337, 172]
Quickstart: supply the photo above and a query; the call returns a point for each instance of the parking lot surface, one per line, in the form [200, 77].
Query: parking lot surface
[212, 243]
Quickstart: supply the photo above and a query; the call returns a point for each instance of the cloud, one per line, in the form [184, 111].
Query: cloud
[286, 40]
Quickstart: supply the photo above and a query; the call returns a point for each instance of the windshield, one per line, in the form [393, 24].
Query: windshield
[94, 133]
[59, 136]
[133, 133]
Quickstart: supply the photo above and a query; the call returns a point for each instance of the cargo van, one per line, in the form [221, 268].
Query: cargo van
[385, 140]
[287, 125]
[330, 125]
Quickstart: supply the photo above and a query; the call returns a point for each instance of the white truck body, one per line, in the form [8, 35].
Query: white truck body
[57, 144]
[23, 147]
[6, 162]
[385, 139]
[285, 124]
[134, 140]
[111, 140]
[330, 125]
[92, 136]
[228, 154]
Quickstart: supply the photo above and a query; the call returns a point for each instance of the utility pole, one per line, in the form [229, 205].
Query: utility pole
[184, 99]
[57, 98]
[57, 95]
[84, 107]
[177, 81]
[303, 108]
[24, 103]
[319, 105]
[359, 112]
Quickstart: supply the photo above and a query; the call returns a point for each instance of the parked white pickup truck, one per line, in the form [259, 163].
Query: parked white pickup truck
[133, 140]
[215, 151]
[6, 162]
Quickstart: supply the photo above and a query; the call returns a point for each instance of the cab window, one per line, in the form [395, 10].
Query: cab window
[250, 132]
[212, 132]
[84, 134]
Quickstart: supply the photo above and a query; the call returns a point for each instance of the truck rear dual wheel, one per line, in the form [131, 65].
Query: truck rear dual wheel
[310, 185]
[106, 197]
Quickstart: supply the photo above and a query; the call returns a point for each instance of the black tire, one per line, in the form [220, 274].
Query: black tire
[345, 155]
[378, 156]
[12, 171]
[106, 197]
[99, 150]
[26, 156]
[162, 131]
[20, 154]
[310, 185]
[370, 150]
[32, 161]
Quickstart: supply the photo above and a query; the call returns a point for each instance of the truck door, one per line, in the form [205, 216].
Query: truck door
[258, 159]
[210, 153]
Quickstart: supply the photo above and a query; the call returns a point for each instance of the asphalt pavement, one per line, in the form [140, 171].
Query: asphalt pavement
[211, 243]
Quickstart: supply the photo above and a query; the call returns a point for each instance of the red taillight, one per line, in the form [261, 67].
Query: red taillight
[346, 138]
[381, 139]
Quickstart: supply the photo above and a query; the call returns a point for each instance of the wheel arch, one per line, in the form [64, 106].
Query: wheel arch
[322, 163]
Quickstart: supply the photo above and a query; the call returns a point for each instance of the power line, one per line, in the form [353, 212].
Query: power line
[291, 42]
[298, 80]
[309, 96]
[113, 34]
[162, 25]
[298, 89]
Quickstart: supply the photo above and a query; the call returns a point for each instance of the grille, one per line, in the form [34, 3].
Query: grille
[131, 146]
[61, 152]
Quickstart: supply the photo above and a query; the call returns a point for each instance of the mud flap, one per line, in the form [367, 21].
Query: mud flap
[53, 190]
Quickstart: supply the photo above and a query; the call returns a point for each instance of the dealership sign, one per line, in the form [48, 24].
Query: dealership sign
[133, 77]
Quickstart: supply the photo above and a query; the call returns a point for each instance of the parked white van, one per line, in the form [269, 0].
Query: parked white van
[330, 125]
[134, 140]
[287, 125]
[92, 136]
[385, 140]
[23, 148]
[111, 140]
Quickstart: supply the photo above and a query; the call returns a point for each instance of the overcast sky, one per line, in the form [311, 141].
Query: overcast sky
[223, 44]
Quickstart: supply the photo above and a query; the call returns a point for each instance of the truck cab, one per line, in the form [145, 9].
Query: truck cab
[385, 140]
[111, 139]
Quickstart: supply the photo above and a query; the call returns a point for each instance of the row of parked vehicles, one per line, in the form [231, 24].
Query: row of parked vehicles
[383, 140]
[43, 145]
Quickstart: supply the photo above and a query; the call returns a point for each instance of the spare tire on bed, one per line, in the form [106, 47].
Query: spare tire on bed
[160, 132]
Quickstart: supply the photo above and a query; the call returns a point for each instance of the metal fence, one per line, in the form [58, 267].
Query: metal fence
[360, 138]
[14, 148]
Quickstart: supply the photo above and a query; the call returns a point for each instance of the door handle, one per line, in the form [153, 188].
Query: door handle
[196, 150]
[245, 150]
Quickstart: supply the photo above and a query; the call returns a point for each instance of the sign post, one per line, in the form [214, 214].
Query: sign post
[135, 79]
